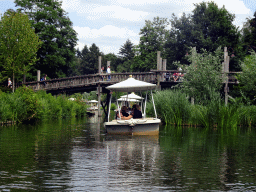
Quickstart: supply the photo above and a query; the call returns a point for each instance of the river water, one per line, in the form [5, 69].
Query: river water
[77, 155]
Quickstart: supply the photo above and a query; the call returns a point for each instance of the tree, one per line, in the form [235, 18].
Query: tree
[126, 51]
[207, 28]
[203, 77]
[247, 79]
[18, 44]
[55, 30]
[249, 34]
[180, 39]
[90, 59]
[84, 67]
[153, 37]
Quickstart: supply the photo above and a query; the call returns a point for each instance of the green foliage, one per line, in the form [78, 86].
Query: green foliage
[248, 35]
[18, 44]
[24, 104]
[54, 28]
[89, 59]
[127, 51]
[113, 106]
[171, 106]
[153, 37]
[90, 96]
[19, 106]
[208, 27]
[203, 78]
[247, 79]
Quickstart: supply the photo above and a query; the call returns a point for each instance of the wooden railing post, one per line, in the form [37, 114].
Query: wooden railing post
[38, 79]
[99, 65]
[226, 71]
[159, 66]
[99, 90]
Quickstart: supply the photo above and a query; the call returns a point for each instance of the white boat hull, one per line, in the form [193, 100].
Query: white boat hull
[147, 126]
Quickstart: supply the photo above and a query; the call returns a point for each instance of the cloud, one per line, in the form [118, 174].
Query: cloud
[107, 31]
[97, 12]
[80, 45]
[236, 7]
[142, 2]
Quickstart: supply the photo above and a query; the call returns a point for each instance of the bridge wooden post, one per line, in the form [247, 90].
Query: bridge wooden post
[38, 79]
[159, 67]
[225, 70]
[99, 64]
[193, 63]
[164, 68]
[108, 63]
[164, 64]
[99, 90]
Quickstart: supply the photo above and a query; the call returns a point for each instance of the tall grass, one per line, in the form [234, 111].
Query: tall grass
[173, 107]
[24, 104]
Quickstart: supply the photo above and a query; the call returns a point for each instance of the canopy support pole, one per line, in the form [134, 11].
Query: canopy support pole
[118, 109]
[145, 105]
[109, 106]
[153, 103]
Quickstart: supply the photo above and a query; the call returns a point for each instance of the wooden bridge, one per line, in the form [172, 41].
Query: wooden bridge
[91, 82]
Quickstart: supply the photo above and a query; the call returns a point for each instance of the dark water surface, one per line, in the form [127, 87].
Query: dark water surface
[76, 155]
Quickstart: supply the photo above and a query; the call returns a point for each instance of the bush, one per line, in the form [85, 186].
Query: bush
[24, 104]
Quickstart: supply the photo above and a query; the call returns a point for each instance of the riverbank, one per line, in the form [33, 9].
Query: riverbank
[26, 105]
[174, 107]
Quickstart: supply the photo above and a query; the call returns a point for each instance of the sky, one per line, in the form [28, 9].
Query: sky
[110, 23]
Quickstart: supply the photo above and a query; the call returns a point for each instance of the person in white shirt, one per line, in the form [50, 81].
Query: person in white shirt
[109, 71]
[9, 83]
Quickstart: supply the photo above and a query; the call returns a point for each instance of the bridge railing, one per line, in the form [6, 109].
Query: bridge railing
[87, 80]
[93, 79]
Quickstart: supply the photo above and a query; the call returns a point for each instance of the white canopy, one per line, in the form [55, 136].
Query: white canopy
[132, 96]
[92, 101]
[131, 85]
[125, 99]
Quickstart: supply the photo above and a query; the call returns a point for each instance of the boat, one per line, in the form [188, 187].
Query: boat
[142, 126]
[93, 107]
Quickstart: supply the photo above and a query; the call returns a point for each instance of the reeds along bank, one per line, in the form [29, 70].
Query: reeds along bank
[174, 107]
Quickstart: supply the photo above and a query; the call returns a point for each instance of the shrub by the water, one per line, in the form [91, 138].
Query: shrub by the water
[25, 104]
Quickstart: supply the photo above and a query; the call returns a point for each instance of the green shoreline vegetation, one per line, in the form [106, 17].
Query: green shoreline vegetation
[26, 105]
[203, 83]
[173, 107]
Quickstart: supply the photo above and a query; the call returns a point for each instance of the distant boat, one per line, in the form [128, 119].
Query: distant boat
[93, 107]
[142, 126]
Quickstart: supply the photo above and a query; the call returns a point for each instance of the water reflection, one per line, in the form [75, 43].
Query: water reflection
[77, 155]
[116, 163]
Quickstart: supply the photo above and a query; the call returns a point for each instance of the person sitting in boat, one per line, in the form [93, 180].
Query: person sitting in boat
[124, 114]
[136, 112]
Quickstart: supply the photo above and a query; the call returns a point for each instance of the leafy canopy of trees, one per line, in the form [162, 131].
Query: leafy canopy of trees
[153, 37]
[18, 44]
[208, 27]
[249, 34]
[54, 28]
[203, 78]
[247, 79]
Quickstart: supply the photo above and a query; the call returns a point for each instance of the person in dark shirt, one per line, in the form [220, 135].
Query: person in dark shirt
[124, 114]
[136, 112]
